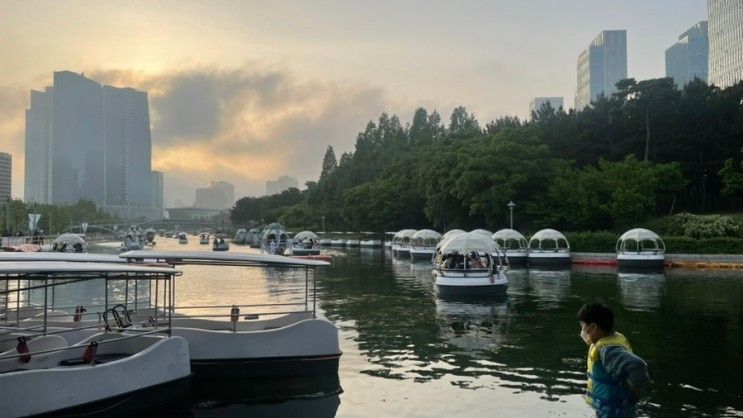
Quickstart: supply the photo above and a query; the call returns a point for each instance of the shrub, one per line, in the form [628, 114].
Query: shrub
[704, 226]
[604, 242]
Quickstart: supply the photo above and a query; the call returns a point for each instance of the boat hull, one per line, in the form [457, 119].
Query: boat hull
[370, 243]
[305, 251]
[421, 254]
[640, 263]
[450, 284]
[549, 259]
[265, 367]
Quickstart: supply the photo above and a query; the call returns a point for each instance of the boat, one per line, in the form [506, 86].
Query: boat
[353, 243]
[149, 236]
[337, 242]
[204, 238]
[640, 250]
[325, 242]
[402, 239]
[423, 244]
[182, 238]
[464, 266]
[232, 343]
[549, 248]
[275, 239]
[514, 245]
[220, 244]
[254, 238]
[133, 240]
[42, 373]
[306, 243]
[67, 243]
[483, 232]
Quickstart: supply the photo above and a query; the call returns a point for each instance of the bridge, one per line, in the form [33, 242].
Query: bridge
[168, 224]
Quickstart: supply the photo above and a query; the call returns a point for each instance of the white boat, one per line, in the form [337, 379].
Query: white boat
[274, 239]
[149, 236]
[423, 244]
[67, 243]
[204, 238]
[549, 248]
[296, 341]
[464, 266]
[220, 244]
[45, 374]
[514, 245]
[401, 243]
[353, 243]
[182, 238]
[640, 250]
[306, 243]
[370, 243]
[337, 243]
[325, 242]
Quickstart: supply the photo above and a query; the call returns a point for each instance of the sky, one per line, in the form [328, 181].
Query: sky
[246, 91]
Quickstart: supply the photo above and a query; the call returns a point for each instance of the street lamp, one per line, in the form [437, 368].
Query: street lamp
[511, 205]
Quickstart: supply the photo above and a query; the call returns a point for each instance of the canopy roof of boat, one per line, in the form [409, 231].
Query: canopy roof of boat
[451, 233]
[182, 234]
[93, 269]
[306, 235]
[548, 234]
[405, 233]
[55, 256]
[506, 234]
[469, 241]
[70, 238]
[228, 259]
[640, 234]
[484, 232]
[426, 233]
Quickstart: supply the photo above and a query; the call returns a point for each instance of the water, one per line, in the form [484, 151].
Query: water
[408, 353]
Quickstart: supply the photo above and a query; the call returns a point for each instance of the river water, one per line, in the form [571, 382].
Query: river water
[409, 353]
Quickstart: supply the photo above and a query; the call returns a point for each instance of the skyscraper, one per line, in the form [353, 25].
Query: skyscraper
[219, 195]
[158, 190]
[281, 184]
[537, 103]
[6, 165]
[601, 66]
[88, 141]
[725, 42]
[687, 58]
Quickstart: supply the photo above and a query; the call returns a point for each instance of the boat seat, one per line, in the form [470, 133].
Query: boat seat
[99, 359]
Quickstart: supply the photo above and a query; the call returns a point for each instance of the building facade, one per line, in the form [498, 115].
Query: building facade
[688, 58]
[89, 141]
[219, 195]
[158, 190]
[6, 170]
[725, 42]
[601, 66]
[538, 102]
[281, 184]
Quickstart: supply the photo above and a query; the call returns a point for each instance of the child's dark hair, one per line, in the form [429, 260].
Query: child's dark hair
[599, 314]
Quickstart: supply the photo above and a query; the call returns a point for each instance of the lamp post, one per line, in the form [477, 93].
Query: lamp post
[323, 224]
[511, 205]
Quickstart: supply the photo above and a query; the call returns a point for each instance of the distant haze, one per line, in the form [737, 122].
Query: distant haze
[248, 91]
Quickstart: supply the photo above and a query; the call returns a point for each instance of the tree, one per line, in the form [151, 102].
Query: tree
[329, 163]
[463, 124]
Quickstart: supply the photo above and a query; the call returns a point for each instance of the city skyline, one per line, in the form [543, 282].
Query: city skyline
[284, 88]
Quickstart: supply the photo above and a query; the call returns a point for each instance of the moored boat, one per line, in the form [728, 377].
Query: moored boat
[423, 244]
[640, 250]
[464, 266]
[514, 245]
[306, 243]
[549, 248]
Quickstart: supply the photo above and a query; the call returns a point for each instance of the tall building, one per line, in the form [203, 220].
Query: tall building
[219, 195]
[281, 184]
[38, 147]
[128, 150]
[725, 42]
[88, 141]
[158, 190]
[537, 103]
[6, 166]
[687, 58]
[601, 66]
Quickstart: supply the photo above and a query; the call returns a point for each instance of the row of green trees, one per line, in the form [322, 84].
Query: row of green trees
[54, 218]
[647, 150]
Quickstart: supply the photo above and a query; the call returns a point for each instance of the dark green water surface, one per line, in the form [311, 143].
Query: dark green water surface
[409, 353]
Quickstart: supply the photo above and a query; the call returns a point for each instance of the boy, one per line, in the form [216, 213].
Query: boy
[616, 377]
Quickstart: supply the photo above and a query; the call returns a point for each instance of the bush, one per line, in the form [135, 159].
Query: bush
[704, 226]
[604, 242]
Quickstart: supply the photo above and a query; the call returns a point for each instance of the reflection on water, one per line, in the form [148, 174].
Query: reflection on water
[549, 286]
[641, 291]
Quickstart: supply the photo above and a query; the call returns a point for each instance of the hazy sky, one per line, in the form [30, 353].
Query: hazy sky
[247, 91]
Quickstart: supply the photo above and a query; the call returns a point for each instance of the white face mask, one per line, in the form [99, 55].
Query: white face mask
[584, 336]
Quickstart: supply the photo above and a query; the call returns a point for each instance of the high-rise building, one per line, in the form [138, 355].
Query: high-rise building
[6, 166]
[38, 147]
[281, 184]
[128, 146]
[158, 190]
[536, 104]
[601, 66]
[725, 42]
[687, 58]
[219, 195]
[88, 141]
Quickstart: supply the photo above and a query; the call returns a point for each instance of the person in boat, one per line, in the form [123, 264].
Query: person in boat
[616, 376]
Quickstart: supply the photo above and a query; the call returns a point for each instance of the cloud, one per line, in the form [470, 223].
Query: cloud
[245, 125]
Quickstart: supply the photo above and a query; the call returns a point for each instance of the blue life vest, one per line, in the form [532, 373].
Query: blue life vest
[609, 397]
